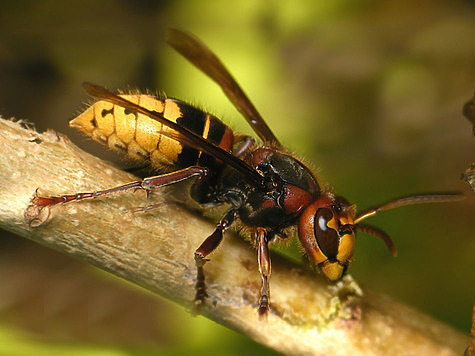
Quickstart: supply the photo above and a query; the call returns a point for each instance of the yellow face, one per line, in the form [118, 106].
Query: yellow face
[332, 270]
[326, 231]
[336, 269]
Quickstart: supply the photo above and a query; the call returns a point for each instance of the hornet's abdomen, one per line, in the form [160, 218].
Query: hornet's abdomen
[143, 138]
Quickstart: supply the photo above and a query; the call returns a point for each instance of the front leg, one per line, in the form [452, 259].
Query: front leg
[208, 246]
[263, 259]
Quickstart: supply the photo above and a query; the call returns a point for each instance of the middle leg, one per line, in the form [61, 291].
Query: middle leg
[208, 246]
[263, 259]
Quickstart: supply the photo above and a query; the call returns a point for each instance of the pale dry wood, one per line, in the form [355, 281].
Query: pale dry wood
[155, 250]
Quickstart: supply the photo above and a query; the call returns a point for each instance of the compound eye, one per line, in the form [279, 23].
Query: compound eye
[327, 238]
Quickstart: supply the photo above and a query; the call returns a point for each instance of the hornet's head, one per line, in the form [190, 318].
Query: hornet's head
[327, 229]
[327, 233]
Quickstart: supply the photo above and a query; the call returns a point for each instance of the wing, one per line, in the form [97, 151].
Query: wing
[181, 134]
[202, 57]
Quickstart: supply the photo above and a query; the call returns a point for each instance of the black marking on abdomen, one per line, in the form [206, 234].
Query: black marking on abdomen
[194, 120]
[128, 112]
[215, 134]
[104, 112]
[216, 130]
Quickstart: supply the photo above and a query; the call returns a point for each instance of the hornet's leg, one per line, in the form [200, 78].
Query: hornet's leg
[263, 259]
[147, 184]
[208, 246]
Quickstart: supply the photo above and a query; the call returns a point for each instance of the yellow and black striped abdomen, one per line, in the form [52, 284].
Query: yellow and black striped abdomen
[143, 138]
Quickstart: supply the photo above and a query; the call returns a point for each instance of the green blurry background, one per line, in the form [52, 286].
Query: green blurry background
[370, 93]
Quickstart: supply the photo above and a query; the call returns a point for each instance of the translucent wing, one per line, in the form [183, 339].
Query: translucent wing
[205, 60]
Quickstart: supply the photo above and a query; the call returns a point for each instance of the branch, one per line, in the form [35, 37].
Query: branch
[155, 251]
